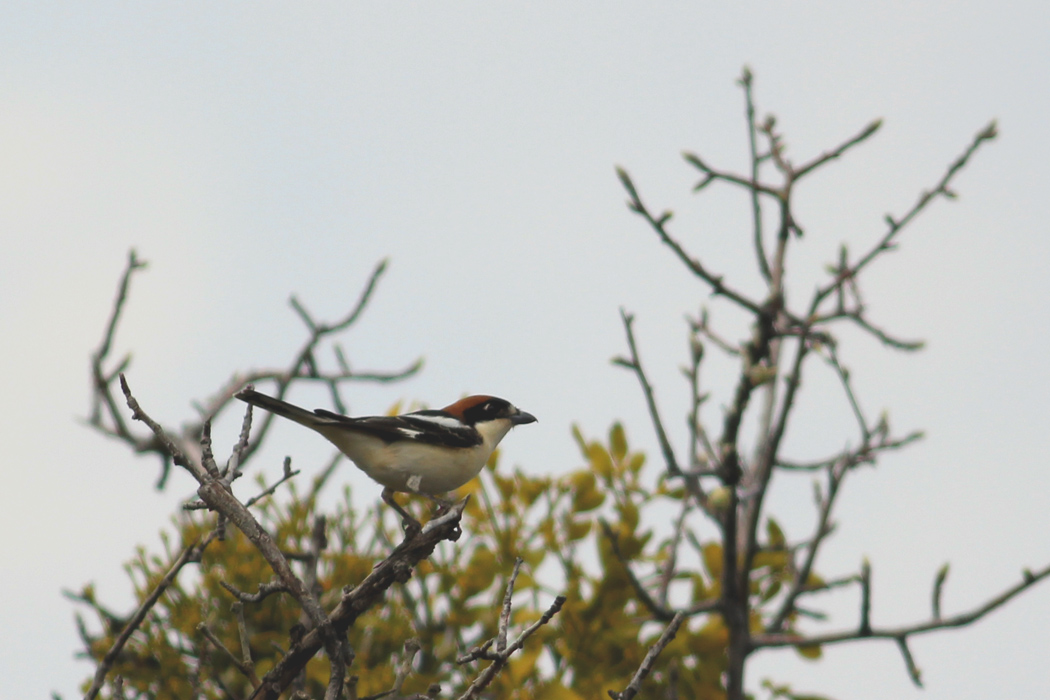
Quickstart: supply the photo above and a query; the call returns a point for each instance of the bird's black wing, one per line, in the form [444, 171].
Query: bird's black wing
[430, 427]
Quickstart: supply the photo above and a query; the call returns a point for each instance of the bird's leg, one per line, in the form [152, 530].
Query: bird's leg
[410, 524]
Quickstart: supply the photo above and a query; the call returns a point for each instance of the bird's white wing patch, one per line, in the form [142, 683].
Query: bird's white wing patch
[414, 481]
[410, 432]
[444, 421]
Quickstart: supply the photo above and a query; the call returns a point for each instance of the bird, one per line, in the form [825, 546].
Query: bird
[428, 452]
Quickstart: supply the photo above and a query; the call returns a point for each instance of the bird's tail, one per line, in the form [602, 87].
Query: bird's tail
[281, 408]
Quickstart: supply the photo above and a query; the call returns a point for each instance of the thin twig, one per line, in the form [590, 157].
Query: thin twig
[823, 158]
[832, 358]
[670, 567]
[265, 591]
[191, 553]
[246, 670]
[499, 660]
[396, 568]
[660, 612]
[173, 450]
[865, 599]
[504, 618]
[895, 226]
[714, 281]
[782, 640]
[864, 454]
[106, 414]
[882, 336]
[756, 204]
[938, 587]
[836, 472]
[269, 491]
[712, 175]
[909, 661]
[635, 686]
[635, 364]
[101, 392]
[697, 433]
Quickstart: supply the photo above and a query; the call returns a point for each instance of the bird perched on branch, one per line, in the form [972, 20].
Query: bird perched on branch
[427, 452]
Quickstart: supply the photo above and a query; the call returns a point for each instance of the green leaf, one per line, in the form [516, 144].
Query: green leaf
[775, 535]
[618, 442]
[809, 651]
[600, 460]
[713, 560]
[585, 495]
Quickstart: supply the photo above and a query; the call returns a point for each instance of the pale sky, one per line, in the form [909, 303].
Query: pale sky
[252, 152]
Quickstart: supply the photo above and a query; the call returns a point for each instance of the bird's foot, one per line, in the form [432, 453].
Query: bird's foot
[441, 505]
[411, 527]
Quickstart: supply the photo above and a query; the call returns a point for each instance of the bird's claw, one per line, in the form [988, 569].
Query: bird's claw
[412, 527]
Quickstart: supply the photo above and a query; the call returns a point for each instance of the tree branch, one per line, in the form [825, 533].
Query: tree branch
[756, 204]
[895, 226]
[635, 686]
[823, 158]
[397, 568]
[191, 553]
[634, 364]
[503, 652]
[782, 640]
[657, 224]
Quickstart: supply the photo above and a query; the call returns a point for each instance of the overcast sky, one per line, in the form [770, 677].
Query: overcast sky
[249, 152]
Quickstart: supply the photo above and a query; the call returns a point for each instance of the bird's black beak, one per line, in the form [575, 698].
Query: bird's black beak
[521, 418]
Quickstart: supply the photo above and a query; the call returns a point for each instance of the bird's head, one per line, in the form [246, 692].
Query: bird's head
[477, 410]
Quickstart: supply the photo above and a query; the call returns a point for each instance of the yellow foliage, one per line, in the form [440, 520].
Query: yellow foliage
[811, 652]
[453, 599]
[617, 442]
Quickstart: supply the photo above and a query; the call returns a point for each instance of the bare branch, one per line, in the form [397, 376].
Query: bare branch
[657, 224]
[713, 175]
[865, 599]
[191, 553]
[895, 226]
[396, 568]
[635, 364]
[166, 442]
[221, 500]
[864, 454]
[697, 433]
[242, 632]
[101, 377]
[670, 567]
[635, 686]
[938, 586]
[265, 591]
[269, 491]
[411, 648]
[823, 158]
[658, 611]
[106, 415]
[913, 671]
[832, 358]
[882, 336]
[702, 327]
[756, 204]
[781, 640]
[836, 473]
[499, 659]
[246, 669]
[504, 618]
